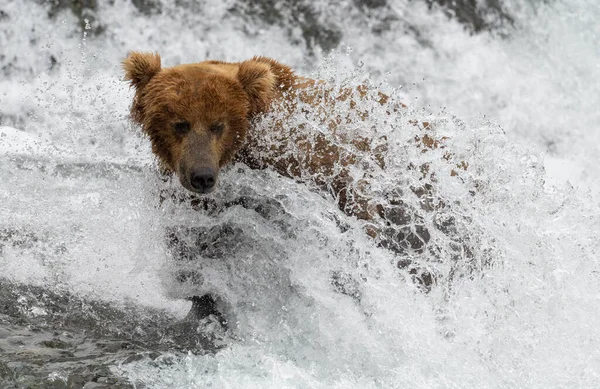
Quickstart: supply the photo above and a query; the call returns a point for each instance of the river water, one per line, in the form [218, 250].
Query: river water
[90, 256]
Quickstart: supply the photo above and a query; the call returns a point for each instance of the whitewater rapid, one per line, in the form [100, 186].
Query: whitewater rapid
[520, 109]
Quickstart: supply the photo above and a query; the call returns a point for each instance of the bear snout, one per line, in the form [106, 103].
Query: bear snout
[203, 179]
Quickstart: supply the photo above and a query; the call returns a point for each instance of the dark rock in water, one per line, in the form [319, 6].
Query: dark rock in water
[475, 14]
[147, 7]
[84, 11]
[371, 3]
[319, 29]
[305, 22]
[45, 333]
[292, 14]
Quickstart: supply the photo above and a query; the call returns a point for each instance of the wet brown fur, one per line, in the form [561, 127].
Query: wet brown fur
[234, 93]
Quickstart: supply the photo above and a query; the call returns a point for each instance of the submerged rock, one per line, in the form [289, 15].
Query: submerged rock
[476, 15]
[83, 10]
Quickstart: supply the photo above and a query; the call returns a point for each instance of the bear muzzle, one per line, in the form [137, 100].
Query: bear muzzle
[198, 177]
[203, 180]
[198, 164]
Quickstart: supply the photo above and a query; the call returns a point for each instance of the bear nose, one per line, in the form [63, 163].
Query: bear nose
[203, 178]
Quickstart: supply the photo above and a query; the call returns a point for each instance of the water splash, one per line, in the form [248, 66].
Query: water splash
[312, 300]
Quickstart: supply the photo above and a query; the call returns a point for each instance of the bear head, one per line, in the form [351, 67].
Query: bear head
[197, 115]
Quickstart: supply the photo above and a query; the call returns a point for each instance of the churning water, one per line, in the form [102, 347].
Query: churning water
[310, 299]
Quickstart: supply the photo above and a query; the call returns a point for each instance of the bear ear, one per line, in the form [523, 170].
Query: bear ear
[258, 81]
[141, 67]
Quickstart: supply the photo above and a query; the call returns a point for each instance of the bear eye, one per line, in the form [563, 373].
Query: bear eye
[181, 128]
[217, 128]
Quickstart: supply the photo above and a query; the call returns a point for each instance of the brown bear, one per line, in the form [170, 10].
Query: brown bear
[200, 117]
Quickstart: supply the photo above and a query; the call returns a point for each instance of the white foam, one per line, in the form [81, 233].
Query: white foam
[529, 319]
